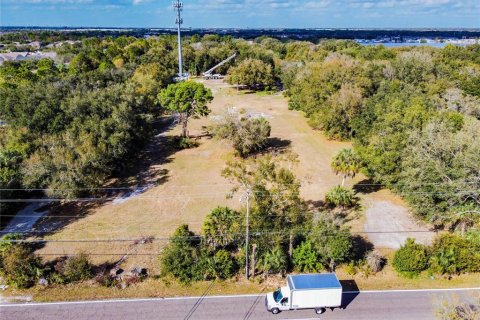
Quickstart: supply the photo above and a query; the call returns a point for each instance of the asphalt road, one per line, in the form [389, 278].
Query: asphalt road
[369, 305]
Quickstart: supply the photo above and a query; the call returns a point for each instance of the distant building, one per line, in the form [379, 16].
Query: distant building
[20, 56]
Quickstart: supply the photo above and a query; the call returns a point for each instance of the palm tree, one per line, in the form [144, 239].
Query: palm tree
[220, 226]
[273, 261]
[346, 163]
[341, 197]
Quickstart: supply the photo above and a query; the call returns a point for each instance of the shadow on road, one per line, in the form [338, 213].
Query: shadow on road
[254, 305]
[198, 302]
[350, 292]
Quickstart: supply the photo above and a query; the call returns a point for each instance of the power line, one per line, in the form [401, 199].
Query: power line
[201, 196]
[199, 185]
[196, 237]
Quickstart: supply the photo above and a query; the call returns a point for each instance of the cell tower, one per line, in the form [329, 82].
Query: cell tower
[178, 6]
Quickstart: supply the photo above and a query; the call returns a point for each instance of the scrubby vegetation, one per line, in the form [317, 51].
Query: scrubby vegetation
[413, 115]
[247, 135]
[450, 254]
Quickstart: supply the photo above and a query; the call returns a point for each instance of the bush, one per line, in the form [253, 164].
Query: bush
[220, 226]
[246, 134]
[454, 309]
[6, 242]
[21, 267]
[306, 259]
[180, 256]
[375, 261]
[410, 259]
[342, 197]
[77, 268]
[334, 243]
[252, 73]
[187, 143]
[273, 261]
[351, 268]
[219, 266]
[452, 254]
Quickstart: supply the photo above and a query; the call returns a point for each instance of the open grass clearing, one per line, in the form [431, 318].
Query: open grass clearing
[187, 184]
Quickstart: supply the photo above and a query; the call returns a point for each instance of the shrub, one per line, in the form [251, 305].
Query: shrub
[246, 134]
[187, 143]
[77, 268]
[21, 267]
[453, 254]
[217, 266]
[375, 261]
[454, 309]
[6, 241]
[220, 226]
[273, 261]
[306, 259]
[180, 256]
[351, 269]
[334, 243]
[410, 259]
[342, 197]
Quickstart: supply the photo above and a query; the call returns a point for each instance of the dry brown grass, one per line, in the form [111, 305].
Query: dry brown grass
[155, 288]
[191, 187]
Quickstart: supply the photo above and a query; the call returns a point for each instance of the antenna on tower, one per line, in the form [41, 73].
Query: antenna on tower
[178, 6]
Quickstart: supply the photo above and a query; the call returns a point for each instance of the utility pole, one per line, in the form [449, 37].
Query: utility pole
[246, 232]
[178, 5]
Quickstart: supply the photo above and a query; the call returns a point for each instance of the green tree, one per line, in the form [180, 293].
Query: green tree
[220, 227]
[342, 197]
[247, 135]
[335, 117]
[441, 175]
[181, 255]
[346, 163]
[332, 241]
[306, 258]
[273, 261]
[188, 99]
[253, 73]
[20, 266]
[276, 205]
[410, 259]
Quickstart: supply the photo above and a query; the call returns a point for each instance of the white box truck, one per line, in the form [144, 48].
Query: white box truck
[306, 291]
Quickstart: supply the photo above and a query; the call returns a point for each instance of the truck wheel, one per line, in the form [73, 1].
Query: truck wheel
[320, 310]
[275, 311]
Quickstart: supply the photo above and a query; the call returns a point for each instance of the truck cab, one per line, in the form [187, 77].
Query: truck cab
[278, 300]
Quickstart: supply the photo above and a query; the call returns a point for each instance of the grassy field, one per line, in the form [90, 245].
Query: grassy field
[184, 186]
[187, 184]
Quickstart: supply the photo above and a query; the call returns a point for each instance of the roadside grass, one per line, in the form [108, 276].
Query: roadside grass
[157, 288]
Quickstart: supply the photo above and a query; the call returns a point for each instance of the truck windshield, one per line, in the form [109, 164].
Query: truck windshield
[277, 295]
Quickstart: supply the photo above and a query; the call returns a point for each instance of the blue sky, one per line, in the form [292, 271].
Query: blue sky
[244, 13]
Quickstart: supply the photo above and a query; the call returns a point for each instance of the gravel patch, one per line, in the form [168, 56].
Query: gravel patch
[389, 225]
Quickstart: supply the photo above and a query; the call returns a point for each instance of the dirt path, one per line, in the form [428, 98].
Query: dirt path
[186, 185]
